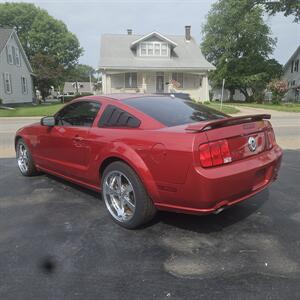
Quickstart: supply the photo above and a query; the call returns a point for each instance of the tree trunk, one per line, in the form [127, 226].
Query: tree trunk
[231, 93]
[245, 93]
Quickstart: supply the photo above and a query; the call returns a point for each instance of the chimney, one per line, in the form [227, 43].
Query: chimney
[129, 31]
[188, 33]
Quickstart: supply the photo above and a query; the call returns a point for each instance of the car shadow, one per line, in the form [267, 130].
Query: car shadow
[214, 222]
[73, 185]
[196, 223]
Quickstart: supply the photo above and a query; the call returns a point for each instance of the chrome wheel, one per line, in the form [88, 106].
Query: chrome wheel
[119, 196]
[23, 159]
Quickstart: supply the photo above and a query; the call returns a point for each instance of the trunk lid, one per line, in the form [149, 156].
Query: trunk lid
[243, 136]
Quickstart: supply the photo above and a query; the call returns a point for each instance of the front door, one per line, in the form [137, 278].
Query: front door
[160, 82]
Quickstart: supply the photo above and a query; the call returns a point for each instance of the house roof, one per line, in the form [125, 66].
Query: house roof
[5, 34]
[116, 53]
[292, 57]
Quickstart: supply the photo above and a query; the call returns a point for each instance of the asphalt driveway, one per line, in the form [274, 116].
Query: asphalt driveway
[57, 242]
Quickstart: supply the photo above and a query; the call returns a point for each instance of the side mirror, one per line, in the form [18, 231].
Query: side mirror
[48, 121]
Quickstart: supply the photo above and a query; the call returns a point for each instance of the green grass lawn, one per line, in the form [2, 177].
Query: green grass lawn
[32, 110]
[289, 107]
[227, 109]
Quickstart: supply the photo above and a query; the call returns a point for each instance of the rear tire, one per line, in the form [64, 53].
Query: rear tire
[125, 196]
[24, 159]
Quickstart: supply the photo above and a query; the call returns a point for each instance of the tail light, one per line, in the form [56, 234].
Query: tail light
[271, 138]
[214, 154]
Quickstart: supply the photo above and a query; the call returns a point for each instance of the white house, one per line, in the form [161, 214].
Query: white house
[154, 63]
[292, 76]
[72, 88]
[15, 70]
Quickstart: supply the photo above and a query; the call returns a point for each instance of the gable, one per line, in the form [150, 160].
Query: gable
[154, 36]
[11, 39]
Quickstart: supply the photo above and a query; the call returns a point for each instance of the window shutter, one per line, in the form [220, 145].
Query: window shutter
[10, 81]
[3, 76]
[7, 57]
[14, 54]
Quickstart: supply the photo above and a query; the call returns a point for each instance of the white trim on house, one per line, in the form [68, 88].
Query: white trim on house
[151, 34]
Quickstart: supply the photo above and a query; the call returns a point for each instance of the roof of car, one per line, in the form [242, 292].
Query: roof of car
[125, 96]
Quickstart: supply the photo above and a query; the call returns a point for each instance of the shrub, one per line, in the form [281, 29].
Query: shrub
[278, 89]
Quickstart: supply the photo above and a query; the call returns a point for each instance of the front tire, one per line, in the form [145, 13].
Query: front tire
[24, 159]
[125, 196]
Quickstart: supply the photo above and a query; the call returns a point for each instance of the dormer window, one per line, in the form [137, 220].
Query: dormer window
[154, 49]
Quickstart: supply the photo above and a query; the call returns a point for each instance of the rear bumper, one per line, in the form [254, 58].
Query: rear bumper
[207, 190]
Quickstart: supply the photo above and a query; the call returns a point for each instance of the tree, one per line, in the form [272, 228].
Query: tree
[48, 72]
[238, 42]
[81, 73]
[41, 35]
[288, 7]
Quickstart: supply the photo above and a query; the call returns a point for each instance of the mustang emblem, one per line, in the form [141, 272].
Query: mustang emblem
[252, 144]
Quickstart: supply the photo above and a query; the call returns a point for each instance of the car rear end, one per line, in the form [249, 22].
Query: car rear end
[239, 159]
[231, 158]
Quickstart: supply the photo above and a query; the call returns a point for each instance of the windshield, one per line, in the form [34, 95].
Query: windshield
[174, 111]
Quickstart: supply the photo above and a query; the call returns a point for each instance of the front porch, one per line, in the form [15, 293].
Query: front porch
[193, 83]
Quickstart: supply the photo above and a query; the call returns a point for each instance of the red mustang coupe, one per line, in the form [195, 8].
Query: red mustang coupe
[149, 152]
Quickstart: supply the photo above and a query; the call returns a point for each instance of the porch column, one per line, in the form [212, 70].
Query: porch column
[170, 85]
[144, 84]
[104, 87]
[205, 89]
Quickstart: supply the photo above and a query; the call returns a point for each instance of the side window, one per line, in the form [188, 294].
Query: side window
[80, 114]
[116, 117]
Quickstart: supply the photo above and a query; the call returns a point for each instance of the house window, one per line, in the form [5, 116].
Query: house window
[7, 83]
[9, 55]
[156, 49]
[292, 67]
[178, 77]
[296, 69]
[130, 80]
[143, 49]
[164, 49]
[24, 85]
[150, 49]
[153, 49]
[16, 55]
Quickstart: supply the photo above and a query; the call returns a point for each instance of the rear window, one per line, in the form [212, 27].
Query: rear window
[174, 111]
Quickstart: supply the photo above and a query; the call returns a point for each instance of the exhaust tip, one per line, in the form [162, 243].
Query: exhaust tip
[219, 210]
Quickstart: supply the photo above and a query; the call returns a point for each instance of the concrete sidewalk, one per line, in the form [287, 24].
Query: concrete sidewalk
[8, 128]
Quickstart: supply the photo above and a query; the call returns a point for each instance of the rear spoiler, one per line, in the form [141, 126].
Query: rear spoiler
[203, 126]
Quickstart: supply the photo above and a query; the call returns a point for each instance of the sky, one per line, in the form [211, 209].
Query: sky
[90, 18]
